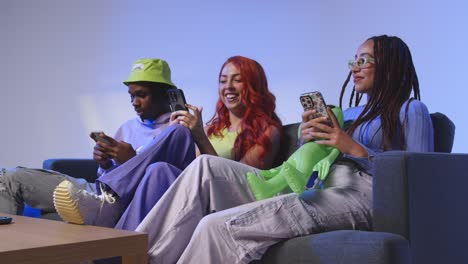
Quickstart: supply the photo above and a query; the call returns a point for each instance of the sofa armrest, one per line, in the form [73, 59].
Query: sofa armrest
[78, 168]
[421, 196]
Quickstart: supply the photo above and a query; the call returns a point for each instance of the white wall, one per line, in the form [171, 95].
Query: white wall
[63, 61]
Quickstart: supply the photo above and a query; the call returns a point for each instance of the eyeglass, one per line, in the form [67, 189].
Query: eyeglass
[361, 62]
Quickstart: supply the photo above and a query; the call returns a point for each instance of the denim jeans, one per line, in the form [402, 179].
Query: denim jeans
[32, 186]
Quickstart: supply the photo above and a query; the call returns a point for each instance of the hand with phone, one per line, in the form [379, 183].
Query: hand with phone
[315, 112]
[108, 148]
[315, 101]
[190, 117]
[99, 153]
[191, 120]
[181, 114]
[324, 129]
[99, 136]
[177, 100]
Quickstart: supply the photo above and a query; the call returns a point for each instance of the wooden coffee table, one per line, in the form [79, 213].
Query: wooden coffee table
[33, 240]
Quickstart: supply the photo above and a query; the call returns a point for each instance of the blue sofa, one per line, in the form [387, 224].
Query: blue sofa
[419, 215]
[418, 208]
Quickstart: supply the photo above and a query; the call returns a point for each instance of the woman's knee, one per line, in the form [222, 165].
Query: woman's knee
[204, 158]
[211, 224]
[208, 166]
[209, 160]
[201, 163]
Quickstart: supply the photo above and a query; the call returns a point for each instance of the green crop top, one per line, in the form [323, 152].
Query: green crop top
[224, 145]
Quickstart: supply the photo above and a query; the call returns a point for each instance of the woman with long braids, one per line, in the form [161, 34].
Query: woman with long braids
[192, 223]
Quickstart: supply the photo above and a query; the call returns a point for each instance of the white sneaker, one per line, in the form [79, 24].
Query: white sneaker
[78, 206]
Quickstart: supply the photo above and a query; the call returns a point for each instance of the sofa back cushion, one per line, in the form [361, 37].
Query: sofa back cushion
[444, 132]
[289, 143]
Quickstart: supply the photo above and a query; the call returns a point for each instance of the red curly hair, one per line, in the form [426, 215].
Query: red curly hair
[260, 106]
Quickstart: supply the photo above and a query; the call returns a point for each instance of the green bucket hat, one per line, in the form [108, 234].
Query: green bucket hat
[150, 70]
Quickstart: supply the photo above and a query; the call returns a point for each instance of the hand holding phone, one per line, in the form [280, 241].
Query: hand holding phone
[100, 154]
[315, 101]
[99, 136]
[177, 100]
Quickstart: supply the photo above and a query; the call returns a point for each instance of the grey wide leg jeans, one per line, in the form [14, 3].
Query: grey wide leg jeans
[32, 186]
[188, 224]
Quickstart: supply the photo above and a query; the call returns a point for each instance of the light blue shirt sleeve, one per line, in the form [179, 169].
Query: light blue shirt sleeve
[419, 133]
[365, 163]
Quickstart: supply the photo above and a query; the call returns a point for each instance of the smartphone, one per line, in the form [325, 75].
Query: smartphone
[314, 100]
[177, 100]
[4, 220]
[96, 136]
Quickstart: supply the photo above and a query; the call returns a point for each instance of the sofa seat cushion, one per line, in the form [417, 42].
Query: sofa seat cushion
[341, 247]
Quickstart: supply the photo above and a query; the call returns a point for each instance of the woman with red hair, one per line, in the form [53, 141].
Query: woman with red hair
[245, 126]
[243, 135]
[209, 214]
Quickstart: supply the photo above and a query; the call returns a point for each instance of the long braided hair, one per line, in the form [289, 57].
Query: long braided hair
[394, 79]
[260, 110]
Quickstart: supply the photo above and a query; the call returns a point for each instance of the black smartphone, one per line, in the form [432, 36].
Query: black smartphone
[96, 136]
[177, 100]
[4, 220]
[314, 100]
